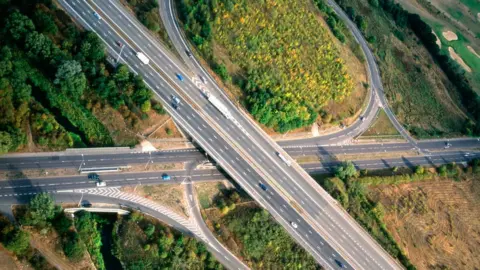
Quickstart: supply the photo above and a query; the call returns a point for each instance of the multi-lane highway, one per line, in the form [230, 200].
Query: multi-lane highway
[240, 147]
[94, 159]
[226, 141]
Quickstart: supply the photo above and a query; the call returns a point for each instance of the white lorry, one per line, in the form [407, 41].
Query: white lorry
[143, 58]
[284, 159]
[218, 104]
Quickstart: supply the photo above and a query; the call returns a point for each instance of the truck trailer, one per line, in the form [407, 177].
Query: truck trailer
[143, 58]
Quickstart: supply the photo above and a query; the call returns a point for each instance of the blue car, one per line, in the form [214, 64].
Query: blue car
[165, 177]
[262, 186]
[180, 77]
[95, 14]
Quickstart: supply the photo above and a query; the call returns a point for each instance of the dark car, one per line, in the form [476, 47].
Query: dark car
[119, 44]
[189, 54]
[340, 264]
[262, 186]
[93, 176]
[86, 204]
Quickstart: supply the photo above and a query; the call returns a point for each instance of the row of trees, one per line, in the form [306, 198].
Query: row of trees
[289, 67]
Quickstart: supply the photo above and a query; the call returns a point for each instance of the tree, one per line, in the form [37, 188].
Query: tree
[71, 79]
[146, 106]
[19, 242]
[18, 25]
[419, 170]
[346, 170]
[40, 210]
[6, 142]
[73, 247]
[150, 230]
[39, 46]
[374, 3]
[45, 22]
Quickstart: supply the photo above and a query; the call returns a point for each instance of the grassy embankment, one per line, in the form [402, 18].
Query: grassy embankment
[288, 67]
[57, 89]
[417, 90]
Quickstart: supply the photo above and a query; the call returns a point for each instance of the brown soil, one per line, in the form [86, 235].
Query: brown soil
[449, 35]
[171, 196]
[437, 223]
[50, 247]
[167, 129]
[459, 59]
[8, 260]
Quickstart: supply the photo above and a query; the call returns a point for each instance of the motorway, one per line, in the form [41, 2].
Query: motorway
[238, 146]
[91, 159]
[196, 116]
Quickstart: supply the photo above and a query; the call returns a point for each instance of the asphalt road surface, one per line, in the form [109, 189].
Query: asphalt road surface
[247, 154]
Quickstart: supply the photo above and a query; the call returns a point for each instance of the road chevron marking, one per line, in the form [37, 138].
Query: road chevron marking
[114, 192]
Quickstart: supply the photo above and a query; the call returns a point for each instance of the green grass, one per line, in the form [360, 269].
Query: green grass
[460, 47]
[381, 127]
[414, 85]
[473, 5]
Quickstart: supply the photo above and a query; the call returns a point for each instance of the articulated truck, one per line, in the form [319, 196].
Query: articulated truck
[143, 58]
[218, 104]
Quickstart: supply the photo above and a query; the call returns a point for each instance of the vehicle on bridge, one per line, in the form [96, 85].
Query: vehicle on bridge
[95, 14]
[175, 102]
[179, 76]
[166, 177]
[262, 186]
[143, 58]
[284, 159]
[86, 204]
[294, 225]
[340, 264]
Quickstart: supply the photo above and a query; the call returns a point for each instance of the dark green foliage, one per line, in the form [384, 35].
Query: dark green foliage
[17, 26]
[335, 24]
[6, 142]
[147, 13]
[52, 76]
[87, 228]
[141, 244]
[346, 170]
[73, 247]
[18, 242]
[45, 22]
[265, 243]
[40, 211]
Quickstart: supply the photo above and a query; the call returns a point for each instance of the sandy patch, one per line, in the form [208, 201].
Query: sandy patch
[439, 43]
[147, 146]
[472, 50]
[459, 59]
[449, 35]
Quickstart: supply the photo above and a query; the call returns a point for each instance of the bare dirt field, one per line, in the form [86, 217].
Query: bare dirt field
[171, 196]
[459, 59]
[437, 223]
[449, 35]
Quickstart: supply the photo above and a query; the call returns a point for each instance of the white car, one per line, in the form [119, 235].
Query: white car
[294, 225]
[101, 184]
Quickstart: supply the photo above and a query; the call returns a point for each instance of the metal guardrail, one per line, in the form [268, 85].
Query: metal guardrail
[97, 210]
